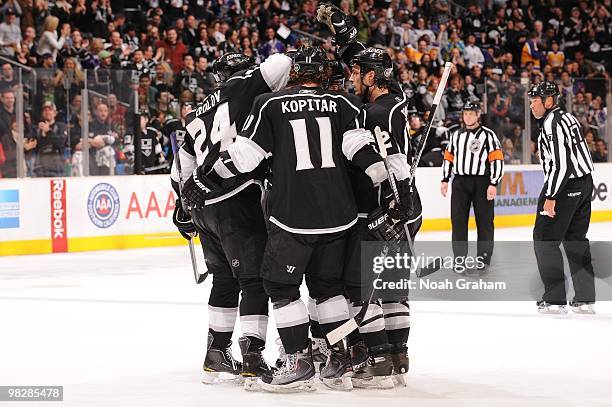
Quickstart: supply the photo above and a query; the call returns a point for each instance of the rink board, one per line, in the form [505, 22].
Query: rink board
[121, 212]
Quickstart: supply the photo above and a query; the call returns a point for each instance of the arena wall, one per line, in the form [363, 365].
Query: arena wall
[55, 215]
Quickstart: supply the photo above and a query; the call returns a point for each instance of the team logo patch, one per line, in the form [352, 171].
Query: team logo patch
[103, 205]
[474, 146]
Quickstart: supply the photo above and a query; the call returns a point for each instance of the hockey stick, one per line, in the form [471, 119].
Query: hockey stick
[343, 330]
[434, 265]
[349, 326]
[199, 278]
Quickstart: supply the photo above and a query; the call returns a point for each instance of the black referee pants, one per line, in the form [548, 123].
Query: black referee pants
[569, 226]
[468, 190]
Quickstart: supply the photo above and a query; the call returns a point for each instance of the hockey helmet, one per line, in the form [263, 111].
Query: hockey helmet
[309, 59]
[472, 105]
[544, 89]
[377, 60]
[336, 76]
[227, 65]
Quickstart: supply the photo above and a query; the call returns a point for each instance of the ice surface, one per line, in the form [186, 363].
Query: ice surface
[128, 328]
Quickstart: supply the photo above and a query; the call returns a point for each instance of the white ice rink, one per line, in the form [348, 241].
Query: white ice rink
[128, 328]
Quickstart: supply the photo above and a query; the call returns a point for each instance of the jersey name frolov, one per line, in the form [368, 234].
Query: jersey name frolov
[310, 105]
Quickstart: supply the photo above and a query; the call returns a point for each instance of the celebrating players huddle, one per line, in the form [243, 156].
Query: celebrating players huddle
[280, 174]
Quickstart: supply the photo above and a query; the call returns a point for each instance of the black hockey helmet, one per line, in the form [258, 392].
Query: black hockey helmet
[377, 60]
[544, 89]
[309, 59]
[228, 64]
[472, 105]
[336, 76]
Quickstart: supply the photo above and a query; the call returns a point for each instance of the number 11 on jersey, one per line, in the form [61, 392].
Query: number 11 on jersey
[302, 150]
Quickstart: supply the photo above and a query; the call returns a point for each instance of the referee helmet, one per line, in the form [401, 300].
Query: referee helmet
[544, 89]
[472, 105]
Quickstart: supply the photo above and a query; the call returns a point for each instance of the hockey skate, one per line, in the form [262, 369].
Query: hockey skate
[478, 271]
[580, 307]
[295, 375]
[376, 373]
[548, 308]
[281, 353]
[401, 364]
[337, 371]
[220, 366]
[253, 365]
[320, 353]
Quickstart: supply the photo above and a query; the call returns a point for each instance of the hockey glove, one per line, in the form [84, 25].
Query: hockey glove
[382, 228]
[403, 209]
[198, 186]
[183, 221]
[339, 24]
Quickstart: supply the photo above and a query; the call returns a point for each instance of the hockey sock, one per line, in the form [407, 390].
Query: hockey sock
[397, 321]
[332, 313]
[221, 323]
[315, 328]
[292, 323]
[372, 328]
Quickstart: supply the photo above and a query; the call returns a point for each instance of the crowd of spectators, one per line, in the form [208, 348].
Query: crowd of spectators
[151, 57]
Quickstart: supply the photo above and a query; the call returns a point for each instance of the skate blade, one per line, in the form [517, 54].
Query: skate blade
[553, 311]
[221, 377]
[585, 310]
[343, 383]
[374, 382]
[400, 380]
[296, 387]
[252, 383]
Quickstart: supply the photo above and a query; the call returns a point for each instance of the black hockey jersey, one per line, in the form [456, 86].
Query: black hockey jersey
[389, 112]
[215, 122]
[309, 133]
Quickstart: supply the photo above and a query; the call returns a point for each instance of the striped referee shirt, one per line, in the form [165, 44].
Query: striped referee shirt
[563, 151]
[473, 152]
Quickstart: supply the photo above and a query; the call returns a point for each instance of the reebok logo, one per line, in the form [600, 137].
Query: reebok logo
[59, 229]
[290, 269]
[573, 194]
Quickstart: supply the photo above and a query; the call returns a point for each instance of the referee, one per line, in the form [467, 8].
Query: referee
[564, 206]
[475, 159]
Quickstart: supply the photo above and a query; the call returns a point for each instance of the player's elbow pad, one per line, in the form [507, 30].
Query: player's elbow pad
[245, 154]
[354, 140]
[398, 165]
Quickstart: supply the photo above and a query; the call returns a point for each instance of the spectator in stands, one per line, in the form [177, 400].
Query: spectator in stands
[272, 44]
[10, 34]
[510, 155]
[601, 152]
[51, 138]
[49, 43]
[8, 80]
[555, 57]
[597, 116]
[472, 54]
[8, 135]
[101, 139]
[415, 55]
[173, 49]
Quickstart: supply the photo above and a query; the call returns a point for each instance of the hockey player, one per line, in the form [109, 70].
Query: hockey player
[309, 132]
[387, 325]
[230, 219]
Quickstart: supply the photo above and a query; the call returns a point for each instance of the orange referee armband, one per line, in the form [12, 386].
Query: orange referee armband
[496, 155]
[448, 156]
